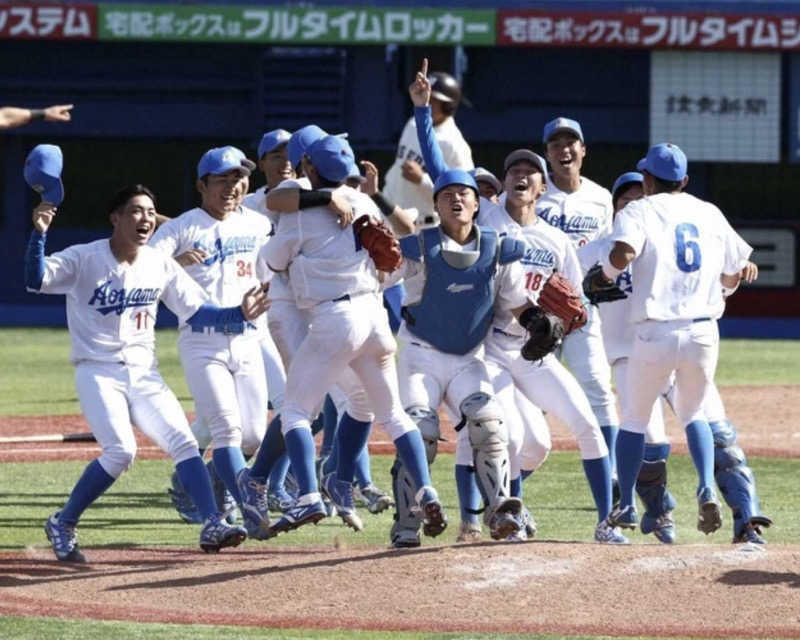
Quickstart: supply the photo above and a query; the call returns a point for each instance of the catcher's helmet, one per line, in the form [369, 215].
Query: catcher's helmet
[445, 88]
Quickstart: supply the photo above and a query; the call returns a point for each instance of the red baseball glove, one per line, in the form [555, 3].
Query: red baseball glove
[380, 242]
[561, 299]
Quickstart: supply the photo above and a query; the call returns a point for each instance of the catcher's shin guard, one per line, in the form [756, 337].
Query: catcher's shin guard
[651, 485]
[489, 439]
[407, 519]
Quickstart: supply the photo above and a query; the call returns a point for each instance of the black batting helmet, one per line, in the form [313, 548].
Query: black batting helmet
[445, 88]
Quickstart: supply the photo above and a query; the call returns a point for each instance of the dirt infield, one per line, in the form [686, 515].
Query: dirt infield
[712, 591]
[706, 590]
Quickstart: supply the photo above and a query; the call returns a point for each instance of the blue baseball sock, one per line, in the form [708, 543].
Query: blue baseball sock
[701, 446]
[277, 475]
[332, 461]
[515, 487]
[656, 452]
[300, 445]
[524, 474]
[92, 484]
[363, 473]
[469, 498]
[610, 433]
[272, 447]
[630, 453]
[195, 480]
[352, 437]
[411, 450]
[598, 473]
[229, 461]
[330, 420]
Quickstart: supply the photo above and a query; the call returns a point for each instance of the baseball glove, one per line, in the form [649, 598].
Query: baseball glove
[545, 333]
[559, 297]
[597, 288]
[380, 242]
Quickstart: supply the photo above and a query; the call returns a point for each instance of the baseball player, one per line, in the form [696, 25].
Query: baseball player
[407, 184]
[489, 186]
[289, 326]
[113, 287]
[548, 386]
[680, 248]
[335, 280]
[582, 209]
[468, 272]
[731, 472]
[223, 364]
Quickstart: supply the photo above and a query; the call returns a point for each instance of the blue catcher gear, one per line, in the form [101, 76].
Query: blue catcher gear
[738, 486]
[651, 485]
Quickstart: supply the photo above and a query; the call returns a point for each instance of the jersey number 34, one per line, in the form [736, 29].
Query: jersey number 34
[687, 251]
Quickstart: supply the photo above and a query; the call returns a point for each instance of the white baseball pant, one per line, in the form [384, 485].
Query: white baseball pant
[112, 395]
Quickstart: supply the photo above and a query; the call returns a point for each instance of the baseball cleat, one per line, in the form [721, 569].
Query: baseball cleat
[403, 538]
[340, 493]
[505, 520]
[709, 514]
[604, 533]
[662, 527]
[374, 499]
[751, 531]
[308, 509]
[255, 508]
[623, 517]
[527, 523]
[218, 534]
[469, 532]
[433, 519]
[183, 502]
[278, 499]
[64, 539]
[222, 497]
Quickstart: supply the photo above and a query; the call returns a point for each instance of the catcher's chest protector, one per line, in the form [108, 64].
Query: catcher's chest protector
[457, 305]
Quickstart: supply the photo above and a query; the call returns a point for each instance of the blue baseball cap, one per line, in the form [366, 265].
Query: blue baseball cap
[455, 176]
[272, 140]
[42, 172]
[665, 161]
[626, 178]
[561, 124]
[221, 160]
[332, 157]
[301, 140]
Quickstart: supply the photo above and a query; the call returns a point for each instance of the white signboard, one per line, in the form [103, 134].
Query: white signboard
[717, 106]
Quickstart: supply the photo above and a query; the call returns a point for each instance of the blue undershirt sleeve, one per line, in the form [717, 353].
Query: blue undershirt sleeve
[34, 261]
[431, 152]
[210, 315]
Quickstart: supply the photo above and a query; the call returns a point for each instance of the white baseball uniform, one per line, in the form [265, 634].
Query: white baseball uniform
[111, 313]
[223, 366]
[406, 194]
[682, 246]
[548, 384]
[335, 282]
[585, 215]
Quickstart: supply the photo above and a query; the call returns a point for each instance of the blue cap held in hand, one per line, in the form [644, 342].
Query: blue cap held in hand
[42, 172]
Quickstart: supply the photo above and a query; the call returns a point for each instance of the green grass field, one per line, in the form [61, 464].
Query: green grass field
[37, 379]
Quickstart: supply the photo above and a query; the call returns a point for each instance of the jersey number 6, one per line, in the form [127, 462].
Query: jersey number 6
[687, 251]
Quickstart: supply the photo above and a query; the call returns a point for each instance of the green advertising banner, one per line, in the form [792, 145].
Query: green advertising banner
[294, 25]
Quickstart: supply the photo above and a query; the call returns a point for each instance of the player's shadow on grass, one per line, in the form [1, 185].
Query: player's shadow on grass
[751, 577]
